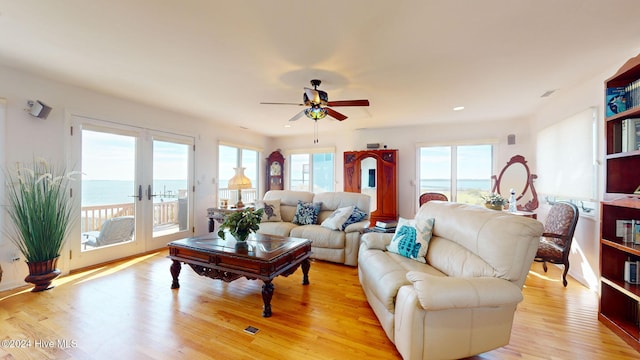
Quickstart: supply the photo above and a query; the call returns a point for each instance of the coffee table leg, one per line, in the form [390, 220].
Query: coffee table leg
[175, 271]
[267, 294]
[306, 264]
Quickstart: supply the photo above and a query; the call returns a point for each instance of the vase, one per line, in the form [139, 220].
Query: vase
[493, 206]
[41, 273]
[242, 246]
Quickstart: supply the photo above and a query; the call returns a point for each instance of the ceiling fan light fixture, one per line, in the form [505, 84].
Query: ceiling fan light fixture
[316, 113]
[314, 97]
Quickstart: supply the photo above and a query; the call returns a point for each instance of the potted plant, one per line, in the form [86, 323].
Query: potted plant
[494, 201]
[240, 224]
[41, 212]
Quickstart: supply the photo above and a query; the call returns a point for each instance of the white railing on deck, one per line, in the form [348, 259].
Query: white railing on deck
[248, 195]
[94, 216]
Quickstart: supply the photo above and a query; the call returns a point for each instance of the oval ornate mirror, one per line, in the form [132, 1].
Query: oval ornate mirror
[516, 175]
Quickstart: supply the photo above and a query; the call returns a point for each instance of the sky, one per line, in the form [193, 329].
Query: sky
[107, 156]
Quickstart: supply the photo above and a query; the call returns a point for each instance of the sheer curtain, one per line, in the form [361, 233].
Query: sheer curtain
[566, 158]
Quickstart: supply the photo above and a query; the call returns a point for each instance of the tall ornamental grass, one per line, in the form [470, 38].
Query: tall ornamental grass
[40, 208]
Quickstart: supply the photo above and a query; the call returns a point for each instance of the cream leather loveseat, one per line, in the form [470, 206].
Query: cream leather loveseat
[461, 302]
[336, 245]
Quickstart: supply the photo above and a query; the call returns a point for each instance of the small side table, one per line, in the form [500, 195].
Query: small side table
[218, 215]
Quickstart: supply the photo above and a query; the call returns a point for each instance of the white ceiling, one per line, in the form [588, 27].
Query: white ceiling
[414, 60]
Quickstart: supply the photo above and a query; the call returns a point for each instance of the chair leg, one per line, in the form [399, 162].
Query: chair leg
[544, 266]
[564, 274]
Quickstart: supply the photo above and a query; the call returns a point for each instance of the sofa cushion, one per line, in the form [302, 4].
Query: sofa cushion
[484, 242]
[288, 201]
[271, 210]
[307, 213]
[320, 237]
[337, 218]
[357, 215]
[282, 228]
[412, 238]
[383, 273]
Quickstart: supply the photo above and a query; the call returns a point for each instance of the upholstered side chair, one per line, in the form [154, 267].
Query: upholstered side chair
[432, 196]
[555, 243]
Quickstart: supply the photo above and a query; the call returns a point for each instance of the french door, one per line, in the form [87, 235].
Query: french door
[135, 192]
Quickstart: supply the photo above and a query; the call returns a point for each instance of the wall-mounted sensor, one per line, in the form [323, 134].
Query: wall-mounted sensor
[38, 109]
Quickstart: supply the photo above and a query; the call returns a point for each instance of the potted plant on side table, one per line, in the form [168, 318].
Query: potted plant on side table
[40, 209]
[240, 224]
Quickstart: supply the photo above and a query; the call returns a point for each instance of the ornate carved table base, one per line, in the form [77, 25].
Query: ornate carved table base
[226, 276]
[270, 257]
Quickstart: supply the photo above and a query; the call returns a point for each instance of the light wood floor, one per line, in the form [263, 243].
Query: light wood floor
[127, 310]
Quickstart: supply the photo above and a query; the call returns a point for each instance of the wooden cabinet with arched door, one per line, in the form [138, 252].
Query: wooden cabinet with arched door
[375, 173]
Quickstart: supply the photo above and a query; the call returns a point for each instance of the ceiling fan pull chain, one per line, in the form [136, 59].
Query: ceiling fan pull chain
[315, 131]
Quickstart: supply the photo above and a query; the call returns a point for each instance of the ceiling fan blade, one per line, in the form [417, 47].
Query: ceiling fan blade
[297, 116]
[312, 95]
[280, 103]
[336, 115]
[348, 103]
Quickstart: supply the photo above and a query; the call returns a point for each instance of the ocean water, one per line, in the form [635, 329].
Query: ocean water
[104, 192]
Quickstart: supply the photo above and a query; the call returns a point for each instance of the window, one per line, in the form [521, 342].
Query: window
[312, 172]
[230, 158]
[462, 172]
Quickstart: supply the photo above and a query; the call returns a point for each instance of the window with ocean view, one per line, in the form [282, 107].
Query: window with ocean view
[461, 172]
[230, 158]
[312, 172]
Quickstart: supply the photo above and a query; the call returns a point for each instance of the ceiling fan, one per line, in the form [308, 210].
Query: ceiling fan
[319, 105]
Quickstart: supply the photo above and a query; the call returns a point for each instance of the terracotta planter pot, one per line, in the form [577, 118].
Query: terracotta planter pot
[493, 207]
[42, 273]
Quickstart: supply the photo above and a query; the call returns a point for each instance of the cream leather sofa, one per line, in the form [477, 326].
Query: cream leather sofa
[330, 245]
[462, 301]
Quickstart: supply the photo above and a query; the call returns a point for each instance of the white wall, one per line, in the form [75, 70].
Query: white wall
[25, 136]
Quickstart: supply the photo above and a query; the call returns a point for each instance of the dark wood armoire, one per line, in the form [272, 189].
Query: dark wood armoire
[374, 172]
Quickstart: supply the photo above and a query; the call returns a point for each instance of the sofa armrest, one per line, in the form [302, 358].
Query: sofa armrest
[441, 293]
[376, 241]
[359, 226]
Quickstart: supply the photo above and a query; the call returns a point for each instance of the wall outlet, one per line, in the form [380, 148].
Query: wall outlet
[15, 257]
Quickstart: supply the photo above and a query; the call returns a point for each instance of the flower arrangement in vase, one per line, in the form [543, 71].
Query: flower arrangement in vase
[494, 201]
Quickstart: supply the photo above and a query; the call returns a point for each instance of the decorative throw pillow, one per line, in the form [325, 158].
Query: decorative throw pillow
[271, 210]
[356, 216]
[412, 238]
[306, 213]
[337, 218]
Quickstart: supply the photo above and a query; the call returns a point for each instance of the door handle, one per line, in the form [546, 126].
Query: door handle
[149, 195]
[139, 196]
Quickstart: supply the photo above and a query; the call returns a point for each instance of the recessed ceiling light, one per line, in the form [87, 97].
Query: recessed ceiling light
[458, 108]
[288, 126]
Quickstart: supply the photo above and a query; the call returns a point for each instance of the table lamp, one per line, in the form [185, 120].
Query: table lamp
[238, 182]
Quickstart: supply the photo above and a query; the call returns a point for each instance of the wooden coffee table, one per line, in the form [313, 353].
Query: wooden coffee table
[268, 256]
